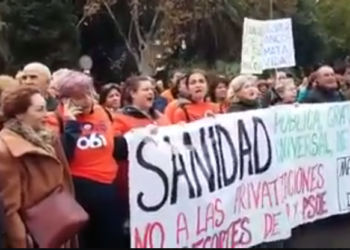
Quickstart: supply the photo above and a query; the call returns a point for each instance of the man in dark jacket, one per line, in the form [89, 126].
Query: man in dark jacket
[326, 89]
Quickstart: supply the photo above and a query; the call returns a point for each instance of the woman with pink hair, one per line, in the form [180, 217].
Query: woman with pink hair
[55, 81]
[89, 143]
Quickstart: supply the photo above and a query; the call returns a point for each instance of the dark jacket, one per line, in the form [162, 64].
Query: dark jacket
[51, 104]
[243, 106]
[322, 95]
[160, 103]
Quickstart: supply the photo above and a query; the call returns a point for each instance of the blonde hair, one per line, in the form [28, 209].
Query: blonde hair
[237, 84]
[7, 82]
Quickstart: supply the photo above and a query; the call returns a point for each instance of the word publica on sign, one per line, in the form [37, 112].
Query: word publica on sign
[300, 135]
[309, 120]
[208, 160]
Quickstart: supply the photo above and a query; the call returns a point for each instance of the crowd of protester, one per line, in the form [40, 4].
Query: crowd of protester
[61, 132]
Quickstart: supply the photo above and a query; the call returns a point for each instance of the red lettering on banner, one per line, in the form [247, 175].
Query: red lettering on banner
[213, 217]
[314, 206]
[271, 225]
[264, 194]
[220, 218]
[152, 230]
[181, 227]
[237, 234]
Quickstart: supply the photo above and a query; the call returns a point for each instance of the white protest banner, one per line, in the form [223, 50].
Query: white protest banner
[239, 179]
[252, 47]
[278, 44]
[267, 45]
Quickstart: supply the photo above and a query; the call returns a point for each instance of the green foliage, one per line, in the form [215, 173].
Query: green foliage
[45, 30]
[309, 38]
[334, 19]
[41, 31]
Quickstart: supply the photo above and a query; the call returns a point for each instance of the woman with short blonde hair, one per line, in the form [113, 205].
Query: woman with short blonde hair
[242, 93]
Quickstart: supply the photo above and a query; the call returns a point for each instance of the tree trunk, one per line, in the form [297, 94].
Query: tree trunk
[145, 64]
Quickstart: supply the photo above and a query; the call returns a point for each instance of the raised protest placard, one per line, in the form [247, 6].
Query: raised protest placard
[240, 179]
[278, 44]
[252, 47]
[267, 45]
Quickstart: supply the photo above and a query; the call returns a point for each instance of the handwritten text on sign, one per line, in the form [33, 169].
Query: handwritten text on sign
[278, 44]
[218, 182]
[267, 45]
[252, 47]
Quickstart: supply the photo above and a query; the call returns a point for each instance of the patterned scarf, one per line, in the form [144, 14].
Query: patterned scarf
[42, 138]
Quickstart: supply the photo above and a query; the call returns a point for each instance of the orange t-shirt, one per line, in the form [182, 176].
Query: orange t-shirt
[195, 111]
[124, 123]
[52, 123]
[223, 106]
[167, 95]
[170, 110]
[93, 156]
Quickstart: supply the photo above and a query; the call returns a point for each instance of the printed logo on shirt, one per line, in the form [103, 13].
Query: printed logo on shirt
[92, 136]
[91, 141]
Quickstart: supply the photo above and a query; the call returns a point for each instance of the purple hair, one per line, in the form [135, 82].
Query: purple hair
[72, 82]
[57, 76]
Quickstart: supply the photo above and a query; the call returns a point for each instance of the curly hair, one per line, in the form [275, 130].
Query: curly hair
[17, 100]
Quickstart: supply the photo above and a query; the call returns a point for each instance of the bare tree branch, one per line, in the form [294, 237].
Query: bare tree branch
[80, 22]
[153, 26]
[117, 25]
[135, 19]
[131, 28]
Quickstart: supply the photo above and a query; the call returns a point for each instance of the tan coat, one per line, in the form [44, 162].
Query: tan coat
[27, 175]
